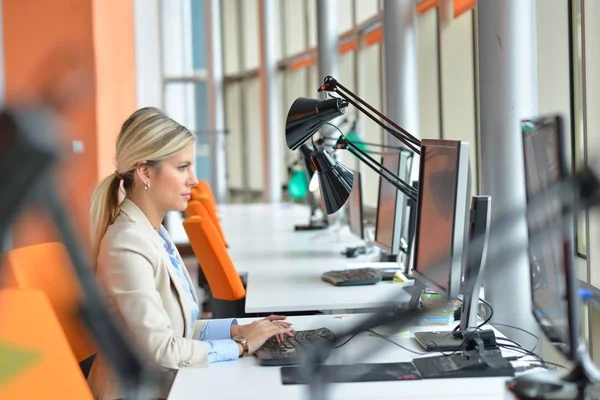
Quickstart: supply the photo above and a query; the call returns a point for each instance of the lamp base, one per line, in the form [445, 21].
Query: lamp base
[313, 226]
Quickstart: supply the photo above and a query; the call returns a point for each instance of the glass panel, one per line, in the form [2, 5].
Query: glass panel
[233, 122]
[458, 86]
[202, 132]
[370, 92]
[311, 12]
[180, 103]
[199, 34]
[253, 134]
[176, 38]
[365, 9]
[592, 117]
[345, 16]
[295, 26]
[230, 25]
[429, 95]
[314, 80]
[579, 133]
[251, 34]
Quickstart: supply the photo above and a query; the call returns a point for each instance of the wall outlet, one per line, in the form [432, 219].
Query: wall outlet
[77, 146]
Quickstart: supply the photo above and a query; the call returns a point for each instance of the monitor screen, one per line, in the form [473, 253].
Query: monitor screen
[442, 215]
[387, 227]
[545, 165]
[355, 207]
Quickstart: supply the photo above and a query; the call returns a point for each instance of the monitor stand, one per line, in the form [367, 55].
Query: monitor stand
[386, 257]
[476, 251]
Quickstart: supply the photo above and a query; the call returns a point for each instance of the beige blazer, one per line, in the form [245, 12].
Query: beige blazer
[144, 292]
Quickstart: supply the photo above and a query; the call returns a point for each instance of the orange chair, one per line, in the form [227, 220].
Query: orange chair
[204, 198]
[37, 362]
[197, 207]
[229, 294]
[47, 267]
[205, 188]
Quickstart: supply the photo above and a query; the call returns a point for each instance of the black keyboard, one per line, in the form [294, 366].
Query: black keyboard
[289, 351]
[353, 277]
[461, 366]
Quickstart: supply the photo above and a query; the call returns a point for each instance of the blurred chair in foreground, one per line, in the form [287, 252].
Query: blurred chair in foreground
[47, 267]
[36, 361]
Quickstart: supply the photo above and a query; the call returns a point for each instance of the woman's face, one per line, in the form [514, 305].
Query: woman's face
[172, 180]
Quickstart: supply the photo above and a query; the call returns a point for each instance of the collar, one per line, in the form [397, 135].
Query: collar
[132, 210]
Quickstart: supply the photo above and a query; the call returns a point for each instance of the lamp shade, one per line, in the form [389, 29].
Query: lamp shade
[306, 116]
[335, 181]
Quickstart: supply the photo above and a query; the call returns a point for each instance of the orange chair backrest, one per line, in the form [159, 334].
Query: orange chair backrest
[47, 267]
[222, 277]
[197, 207]
[37, 362]
[202, 187]
[205, 187]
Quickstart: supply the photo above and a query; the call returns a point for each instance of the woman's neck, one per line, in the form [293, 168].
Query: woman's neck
[154, 215]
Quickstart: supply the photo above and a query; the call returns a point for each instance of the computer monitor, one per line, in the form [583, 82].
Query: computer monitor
[551, 265]
[443, 205]
[391, 203]
[355, 208]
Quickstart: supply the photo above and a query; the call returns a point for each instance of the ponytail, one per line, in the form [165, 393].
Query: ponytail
[103, 211]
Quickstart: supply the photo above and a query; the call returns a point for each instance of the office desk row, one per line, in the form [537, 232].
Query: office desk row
[283, 269]
[245, 379]
[283, 266]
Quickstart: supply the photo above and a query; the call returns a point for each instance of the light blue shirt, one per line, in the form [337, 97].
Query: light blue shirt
[215, 334]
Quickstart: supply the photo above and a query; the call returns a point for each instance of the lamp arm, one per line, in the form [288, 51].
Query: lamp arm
[382, 171]
[331, 84]
[383, 146]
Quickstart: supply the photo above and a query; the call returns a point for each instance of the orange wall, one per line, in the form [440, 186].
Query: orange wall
[100, 35]
[115, 75]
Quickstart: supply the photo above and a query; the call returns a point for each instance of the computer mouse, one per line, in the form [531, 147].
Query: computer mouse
[351, 252]
[537, 385]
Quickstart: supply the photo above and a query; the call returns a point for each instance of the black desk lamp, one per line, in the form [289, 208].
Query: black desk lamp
[310, 170]
[305, 117]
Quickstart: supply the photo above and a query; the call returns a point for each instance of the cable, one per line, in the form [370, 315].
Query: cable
[555, 365]
[346, 341]
[397, 344]
[489, 318]
[523, 351]
[512, 341]
[537, 339]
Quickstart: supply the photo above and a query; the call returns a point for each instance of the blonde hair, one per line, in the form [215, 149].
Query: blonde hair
[147, 135]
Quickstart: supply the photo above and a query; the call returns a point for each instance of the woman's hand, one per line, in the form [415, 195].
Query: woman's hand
[258, 332]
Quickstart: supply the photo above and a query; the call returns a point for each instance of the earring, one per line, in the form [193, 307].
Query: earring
[147, 187]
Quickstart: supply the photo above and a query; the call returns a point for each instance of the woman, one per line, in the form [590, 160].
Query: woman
[138, 267]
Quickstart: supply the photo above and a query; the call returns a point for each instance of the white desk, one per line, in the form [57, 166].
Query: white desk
[245, 379]
[283, 266]
[303, 290]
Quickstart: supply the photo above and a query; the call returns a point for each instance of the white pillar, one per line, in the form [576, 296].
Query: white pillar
[270, 107]
[401, 80]
[327, 40]
[400, 56]
[216, 112]
[507, 44]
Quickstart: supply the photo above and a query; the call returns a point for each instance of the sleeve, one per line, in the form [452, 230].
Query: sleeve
[125, 269]
[221, 350]
[216, 329]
